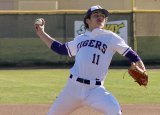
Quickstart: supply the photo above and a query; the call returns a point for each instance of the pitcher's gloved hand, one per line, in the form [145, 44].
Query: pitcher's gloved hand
[140, 76]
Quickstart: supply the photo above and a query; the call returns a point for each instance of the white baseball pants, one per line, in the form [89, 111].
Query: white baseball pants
[75, 95]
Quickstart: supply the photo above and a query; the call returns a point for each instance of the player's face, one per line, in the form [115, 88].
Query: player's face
[97, 20]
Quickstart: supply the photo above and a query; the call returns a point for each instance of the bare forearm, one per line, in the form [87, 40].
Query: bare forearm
[39, 27]
[47, 39]
[56, 46]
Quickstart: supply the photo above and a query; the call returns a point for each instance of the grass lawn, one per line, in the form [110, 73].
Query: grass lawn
[42, 86]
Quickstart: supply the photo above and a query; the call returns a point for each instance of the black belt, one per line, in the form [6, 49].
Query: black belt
[85, 81]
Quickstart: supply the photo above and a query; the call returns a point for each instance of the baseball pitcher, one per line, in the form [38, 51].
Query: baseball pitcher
[93, 53]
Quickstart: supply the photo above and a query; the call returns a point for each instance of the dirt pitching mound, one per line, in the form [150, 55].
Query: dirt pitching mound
[42, 109]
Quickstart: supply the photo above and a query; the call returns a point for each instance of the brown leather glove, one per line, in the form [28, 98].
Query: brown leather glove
[140, 76]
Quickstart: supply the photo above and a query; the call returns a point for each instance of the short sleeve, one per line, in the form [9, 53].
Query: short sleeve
[71, 48]
[119, 45]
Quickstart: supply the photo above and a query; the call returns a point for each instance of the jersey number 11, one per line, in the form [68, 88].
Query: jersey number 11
[95, 59]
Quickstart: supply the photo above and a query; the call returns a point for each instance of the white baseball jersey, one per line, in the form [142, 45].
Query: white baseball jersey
[93, 52]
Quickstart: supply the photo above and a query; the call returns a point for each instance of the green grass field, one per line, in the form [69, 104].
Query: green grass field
[42, 86]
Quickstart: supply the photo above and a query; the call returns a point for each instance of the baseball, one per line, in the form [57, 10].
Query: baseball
[39, 21]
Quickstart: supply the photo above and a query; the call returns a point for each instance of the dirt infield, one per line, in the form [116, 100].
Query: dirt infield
[129, 109]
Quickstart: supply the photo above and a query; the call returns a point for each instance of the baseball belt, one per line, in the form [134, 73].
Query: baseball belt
[85, 81]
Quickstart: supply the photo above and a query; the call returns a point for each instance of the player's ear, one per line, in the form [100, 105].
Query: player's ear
[87, 21]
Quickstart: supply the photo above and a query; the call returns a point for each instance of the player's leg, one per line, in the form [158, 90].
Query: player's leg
[65, 103]
[103, 101]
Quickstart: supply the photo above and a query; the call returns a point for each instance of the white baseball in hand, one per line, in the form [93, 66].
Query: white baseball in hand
[39, 21]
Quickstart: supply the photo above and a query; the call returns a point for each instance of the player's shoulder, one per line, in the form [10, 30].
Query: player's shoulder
[112, 34]
[103, 32]
[82, 36]
[109, 32]
[113, 37]
[79, 36]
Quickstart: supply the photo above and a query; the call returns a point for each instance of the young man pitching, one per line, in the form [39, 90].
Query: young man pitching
[93, 53]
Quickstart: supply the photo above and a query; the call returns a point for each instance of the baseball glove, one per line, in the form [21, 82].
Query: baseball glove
[138, 75]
